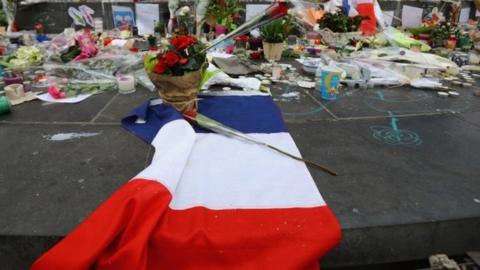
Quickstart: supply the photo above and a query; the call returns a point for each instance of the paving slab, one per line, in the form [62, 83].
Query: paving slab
[397, 197]
[54, 176]
[298, 104]
[121, 105]
[399, 101]
[432, 178]
[38, 111]
[404, 180]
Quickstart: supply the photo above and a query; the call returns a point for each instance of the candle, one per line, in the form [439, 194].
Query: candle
[27, 86]
[126, 84]
[13, 79]
[4, 105]
[276, 72]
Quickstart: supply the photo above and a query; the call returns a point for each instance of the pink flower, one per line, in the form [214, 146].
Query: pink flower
[55, 92]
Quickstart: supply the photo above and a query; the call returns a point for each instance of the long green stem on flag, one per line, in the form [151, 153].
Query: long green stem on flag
[210, 124]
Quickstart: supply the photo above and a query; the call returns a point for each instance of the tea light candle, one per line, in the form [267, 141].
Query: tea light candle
[27, 86]
[442, 94]
[276, 72]
[126, 84]
[453, 93]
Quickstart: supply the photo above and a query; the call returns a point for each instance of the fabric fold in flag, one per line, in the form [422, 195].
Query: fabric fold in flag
[206, 201]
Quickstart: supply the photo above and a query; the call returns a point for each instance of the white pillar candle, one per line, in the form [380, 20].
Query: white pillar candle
[126, 84]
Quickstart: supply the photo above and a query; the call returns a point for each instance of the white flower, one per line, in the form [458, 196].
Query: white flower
[184, 11]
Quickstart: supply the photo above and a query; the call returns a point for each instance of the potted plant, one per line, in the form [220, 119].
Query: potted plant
[222, 14]
[159, 29]
[177, 71]
[445, 34]
[274, 34]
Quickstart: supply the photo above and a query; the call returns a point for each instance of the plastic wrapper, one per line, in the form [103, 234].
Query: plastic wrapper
[142, 78]
[74, 79]
[62, 42]
[214, 75]
[111, 63]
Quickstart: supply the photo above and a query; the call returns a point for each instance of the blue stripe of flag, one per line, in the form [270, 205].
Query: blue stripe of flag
[248, 114]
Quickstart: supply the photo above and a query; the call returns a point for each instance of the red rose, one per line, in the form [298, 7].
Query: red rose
[170, 58]
[277, 10]
[182, 42]
[256, 55]
[160, 67]
[242, 38]
[39, 26]
[183, 61]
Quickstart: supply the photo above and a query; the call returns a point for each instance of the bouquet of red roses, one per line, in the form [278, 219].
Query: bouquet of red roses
[177, 71]
[183, 54]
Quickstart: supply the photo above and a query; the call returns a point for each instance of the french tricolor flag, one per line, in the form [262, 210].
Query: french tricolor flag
[206, 201]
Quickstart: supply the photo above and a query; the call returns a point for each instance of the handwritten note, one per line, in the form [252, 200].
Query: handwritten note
[147, 14]
[388, 15]
[464, 15]
[411, 16]
[253, 10]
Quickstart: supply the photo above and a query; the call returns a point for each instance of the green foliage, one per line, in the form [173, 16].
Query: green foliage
[340, 23]
[278, 30]
[152, 40]
[224, 12]
[421, 30]
[196, 59]
[70, 54]
[443, 31]
[159, 27]
[3, 19]
[77, 88]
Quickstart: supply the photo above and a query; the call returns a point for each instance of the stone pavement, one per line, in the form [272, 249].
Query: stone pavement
[408, 163]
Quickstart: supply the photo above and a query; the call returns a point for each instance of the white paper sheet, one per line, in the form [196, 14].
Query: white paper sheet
[411, 16]
[219, 55]
[122, 15]
[48, 98]
[477, 13]
[252, 10]
[464, 15]
[388, 15]
[147, 14]
[119, 42]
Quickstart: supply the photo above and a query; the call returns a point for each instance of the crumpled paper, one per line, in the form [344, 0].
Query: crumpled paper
[214, 75]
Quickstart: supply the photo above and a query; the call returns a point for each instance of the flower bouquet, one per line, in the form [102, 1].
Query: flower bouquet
[275, 11]
[177, 71]
[338, 29]
[222, 14]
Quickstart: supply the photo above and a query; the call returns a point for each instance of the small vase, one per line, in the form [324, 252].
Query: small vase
[220, 30]
[450, 43]
[272, 51]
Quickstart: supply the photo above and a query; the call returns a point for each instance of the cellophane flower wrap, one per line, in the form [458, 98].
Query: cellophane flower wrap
[177, 71]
